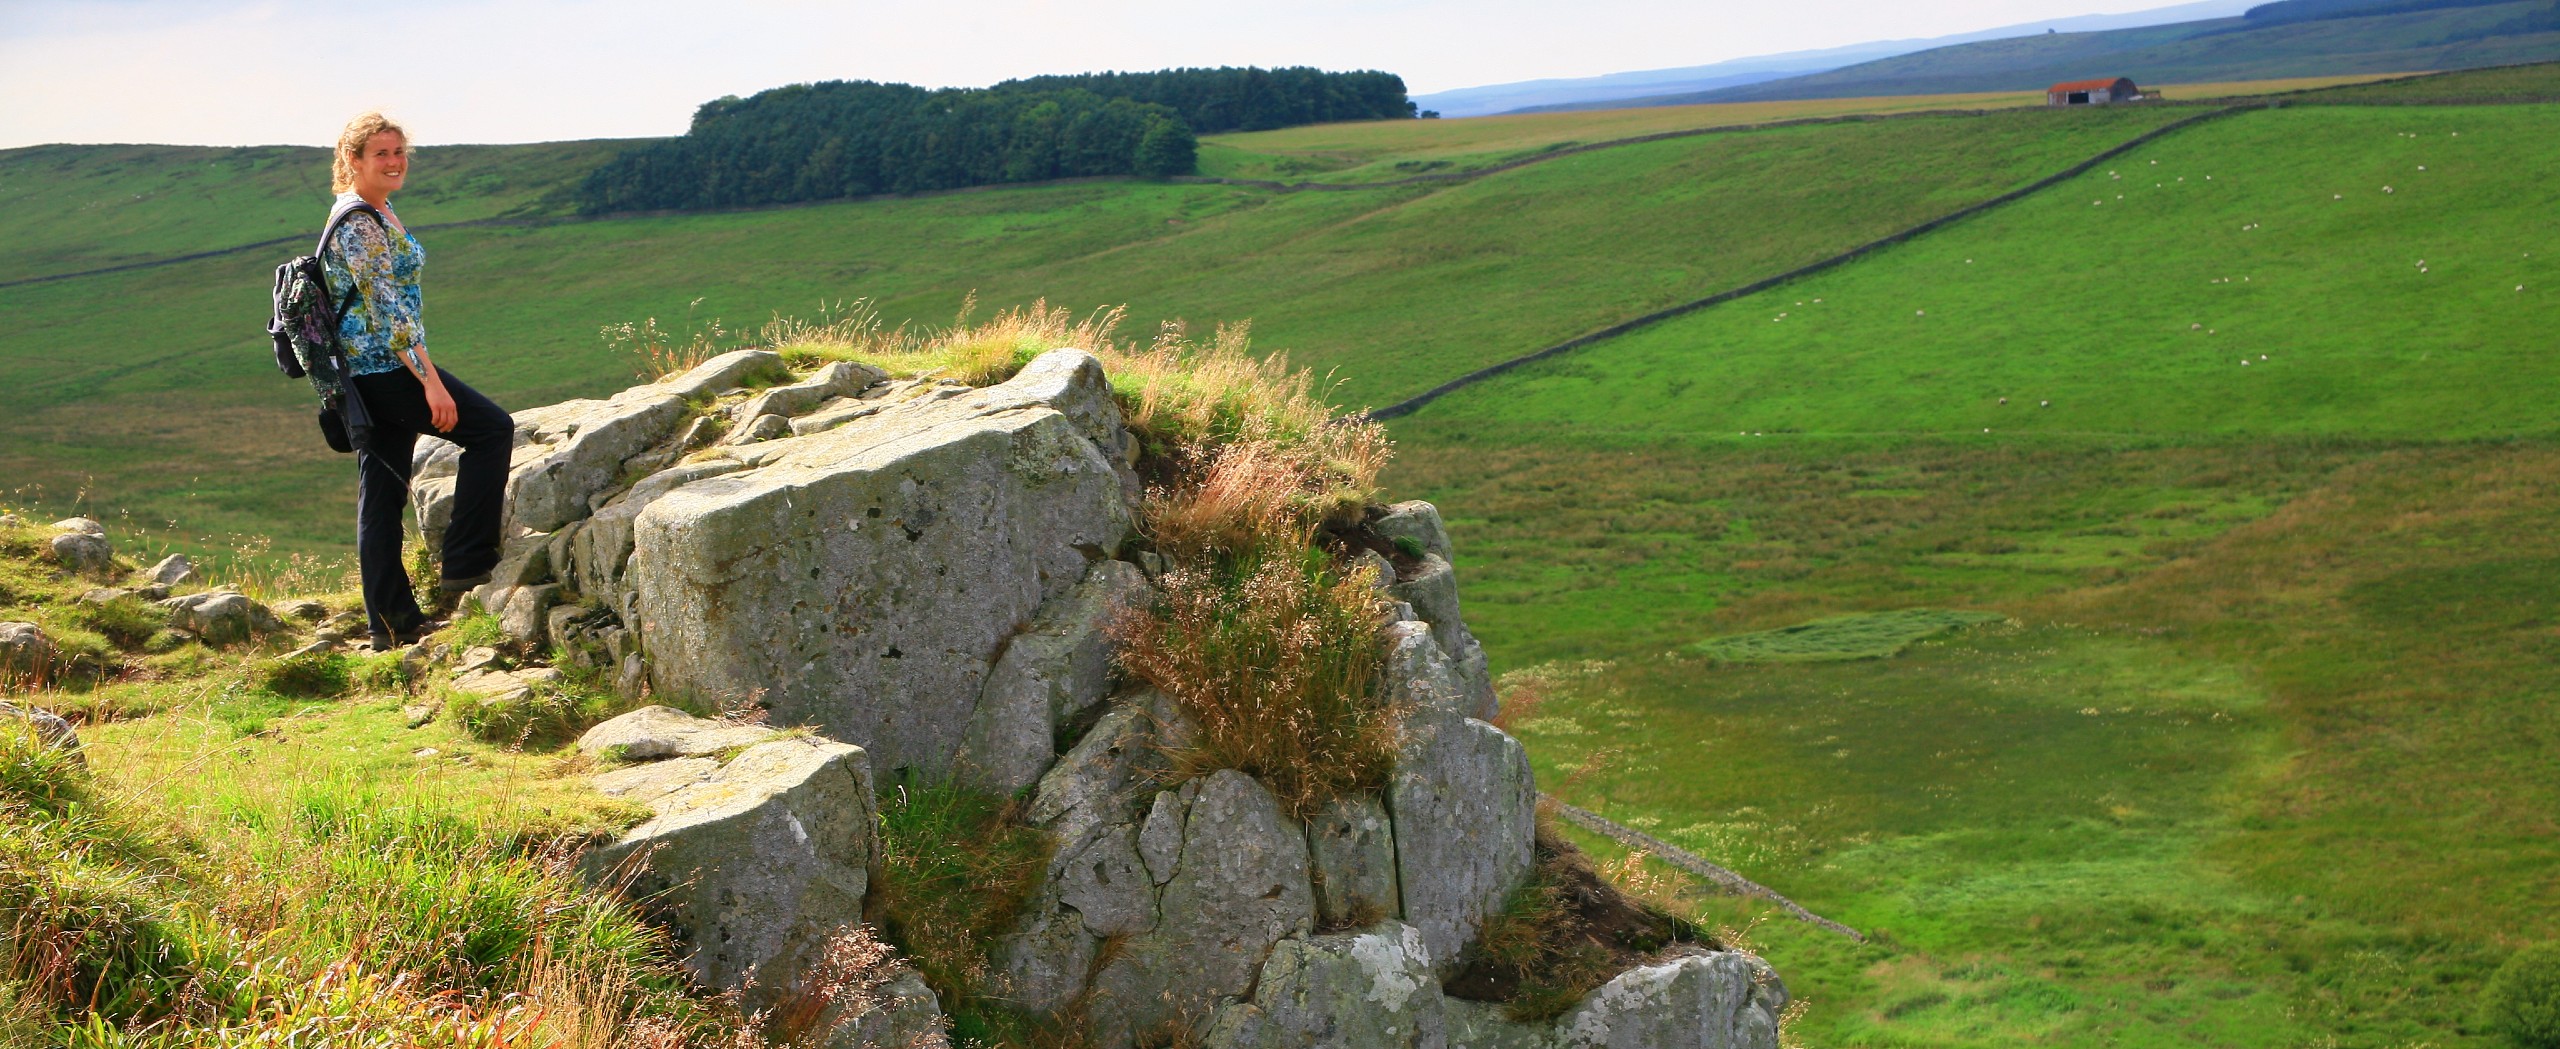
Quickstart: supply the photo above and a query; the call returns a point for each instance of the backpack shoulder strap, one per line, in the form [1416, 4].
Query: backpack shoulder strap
[338, 217]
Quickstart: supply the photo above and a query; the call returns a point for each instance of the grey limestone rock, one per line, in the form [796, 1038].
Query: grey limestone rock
[831, 380]
[1241, 886]
[24, 649]
[83, 553]
[569, 453]
[81, 526]
[654, 732]
[1481, 1025]
[1464, 807]
[1047, 676]
[1353, 849]
[221, 617]
[50, 728]
[305, 610]
[865, 578]
[1706, 1000]
[1160, 836]
[1432, 590]
[758, 863]
[734, 368]
[652, 780]
[832, 414]
[1091, 794]
[1418, 522]
[602, 545]
[171, 571]
[526, 616]
[1373, 989]
[762, 428]
[909, 1016]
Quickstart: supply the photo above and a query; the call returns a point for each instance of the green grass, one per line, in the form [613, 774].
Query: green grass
[65, 209]
[2286, 787]
[1862, 635]
[1397, 289]
[2129, 298]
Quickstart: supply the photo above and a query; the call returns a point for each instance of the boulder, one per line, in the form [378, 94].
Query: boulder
[762, 428]
[654, 732]
[602, 545]
[305, 610]
[1464, 808]
[1706, 1000]
[1432, 589]
[831, 415]
[734, 368]
[1240, 887]
[1047, 676]
[25, 651]
[1372, 989]
[1352, 847]
[829, 381]
[527, 614]
[567, 454]
[171, 571]
[908, 1016]
[103, 595]
[83, 553]
[1091, 794]
[80, 526]
[757, 864]
[1419, 522]
[865, 579]
[652, 780]
[50, 729]
[221, 617]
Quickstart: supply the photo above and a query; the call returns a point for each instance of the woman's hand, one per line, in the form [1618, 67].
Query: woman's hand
[440, 409]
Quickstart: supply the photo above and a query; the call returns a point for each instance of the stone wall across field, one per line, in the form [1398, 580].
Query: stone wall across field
[922, 573]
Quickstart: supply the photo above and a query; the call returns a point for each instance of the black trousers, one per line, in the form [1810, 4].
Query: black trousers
[398, 402]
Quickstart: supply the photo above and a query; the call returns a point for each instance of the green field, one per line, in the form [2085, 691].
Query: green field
[2263, 756]
[1391, 289]
[2251, 742]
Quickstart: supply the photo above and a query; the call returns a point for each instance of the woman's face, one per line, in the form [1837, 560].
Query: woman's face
[383, 166]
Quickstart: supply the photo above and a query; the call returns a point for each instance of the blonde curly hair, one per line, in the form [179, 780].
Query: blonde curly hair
[351, 140]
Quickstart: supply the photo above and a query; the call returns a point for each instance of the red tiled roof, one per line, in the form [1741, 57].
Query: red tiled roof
[2100, 84]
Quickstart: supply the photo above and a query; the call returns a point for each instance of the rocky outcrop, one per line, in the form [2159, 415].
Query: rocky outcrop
[865, 579]
[928, 572]
[756, 863]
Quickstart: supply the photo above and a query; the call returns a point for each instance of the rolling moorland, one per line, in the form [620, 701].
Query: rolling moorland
[2257, 754]
[2312, 40]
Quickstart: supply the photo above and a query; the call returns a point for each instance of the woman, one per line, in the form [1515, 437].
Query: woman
[373, 268]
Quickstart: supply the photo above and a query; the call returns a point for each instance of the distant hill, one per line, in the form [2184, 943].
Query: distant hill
[1531, 96]
[2276, 40]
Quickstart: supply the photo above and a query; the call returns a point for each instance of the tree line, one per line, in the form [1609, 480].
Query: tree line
[852, 138]
[1245, 99]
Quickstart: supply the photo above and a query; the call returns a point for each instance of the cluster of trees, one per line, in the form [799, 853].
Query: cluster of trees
[1229, 98]
[853, 138]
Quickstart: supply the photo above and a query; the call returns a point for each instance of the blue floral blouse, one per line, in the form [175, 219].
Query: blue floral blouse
[374, 282]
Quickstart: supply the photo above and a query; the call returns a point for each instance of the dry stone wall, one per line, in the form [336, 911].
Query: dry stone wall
[923, 573]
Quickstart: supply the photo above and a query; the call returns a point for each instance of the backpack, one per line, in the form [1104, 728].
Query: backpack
[304, 325]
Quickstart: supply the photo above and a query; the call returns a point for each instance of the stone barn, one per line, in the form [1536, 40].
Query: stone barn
[2097, 92]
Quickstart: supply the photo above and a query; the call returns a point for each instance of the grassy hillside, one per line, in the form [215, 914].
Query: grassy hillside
[2262, 757]
[1384, 150]
[66, 209]
[2219, 49]
[1396, 288]
[2260, 752]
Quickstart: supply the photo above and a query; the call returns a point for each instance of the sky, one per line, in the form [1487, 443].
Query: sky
[258, 72]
